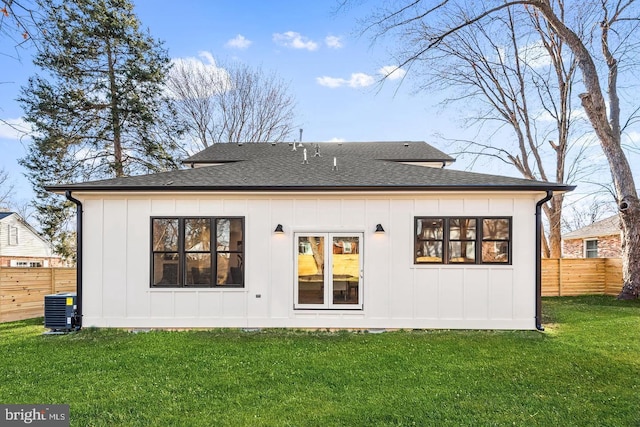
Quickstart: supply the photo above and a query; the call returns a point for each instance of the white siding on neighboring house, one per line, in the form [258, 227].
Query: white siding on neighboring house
[19, 240]
[396, 293]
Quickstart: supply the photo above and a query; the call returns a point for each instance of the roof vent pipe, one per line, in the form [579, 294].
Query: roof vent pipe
[304, 160]
[300, 140]
[335, 164]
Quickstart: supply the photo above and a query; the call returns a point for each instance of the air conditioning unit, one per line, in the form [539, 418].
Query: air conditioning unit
[60, 311]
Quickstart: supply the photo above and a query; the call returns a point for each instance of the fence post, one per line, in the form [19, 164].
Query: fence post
[53, 280]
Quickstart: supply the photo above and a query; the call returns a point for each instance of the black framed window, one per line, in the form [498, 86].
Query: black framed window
[468, 240]
[496, 240]
[462, 240]
[429, 240]
[197, 252]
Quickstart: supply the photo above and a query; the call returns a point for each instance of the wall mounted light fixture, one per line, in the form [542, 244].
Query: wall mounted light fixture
[278, 229]
[379, 229]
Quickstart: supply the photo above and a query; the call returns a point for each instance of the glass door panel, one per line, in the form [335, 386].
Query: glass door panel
[311, 289]
[345, 270]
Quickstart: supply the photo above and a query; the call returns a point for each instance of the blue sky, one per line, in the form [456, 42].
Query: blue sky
[333, 73]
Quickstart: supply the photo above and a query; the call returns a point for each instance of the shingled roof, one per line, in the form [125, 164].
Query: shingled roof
[407, 151]
[605, 227]
[3, 215]
[371, 166]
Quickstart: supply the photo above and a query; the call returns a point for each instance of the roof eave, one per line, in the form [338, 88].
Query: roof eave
[338, 188]
[447, 161]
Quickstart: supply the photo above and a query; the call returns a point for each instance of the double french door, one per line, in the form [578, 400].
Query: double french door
[328, 270]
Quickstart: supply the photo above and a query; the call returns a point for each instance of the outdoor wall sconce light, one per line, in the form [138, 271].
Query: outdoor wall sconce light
[379, 229]
[278, 229]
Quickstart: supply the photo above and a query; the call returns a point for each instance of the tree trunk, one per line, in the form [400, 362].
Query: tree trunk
[552, 246]
[609, 135]
[115, 116]
[555, 232]
[317, 248]
[546, 253]
[630, 219]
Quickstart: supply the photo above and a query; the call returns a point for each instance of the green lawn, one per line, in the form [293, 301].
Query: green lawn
[584, 371]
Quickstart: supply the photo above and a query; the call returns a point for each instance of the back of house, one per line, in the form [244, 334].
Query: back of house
[313, 235]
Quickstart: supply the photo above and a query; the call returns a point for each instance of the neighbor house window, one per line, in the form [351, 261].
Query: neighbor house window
[462, 240]
[16, 263]
[13, 235]
[591, 249]
[197, 252]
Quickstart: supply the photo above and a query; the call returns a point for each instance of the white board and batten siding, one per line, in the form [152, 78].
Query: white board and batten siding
[396, 293]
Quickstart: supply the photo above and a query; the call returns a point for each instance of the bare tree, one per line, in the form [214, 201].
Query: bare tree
[581, 216]
[515, 82]
[6, 189]
[231, 103]
[24, 208]
[611, 41]
[195, 87]
[8, 199]
[18, 24]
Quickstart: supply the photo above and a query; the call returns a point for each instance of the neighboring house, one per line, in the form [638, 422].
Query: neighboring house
[602, 239]
[22, 246]
[325, 235]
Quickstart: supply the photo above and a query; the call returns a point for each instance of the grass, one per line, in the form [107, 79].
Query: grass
[584, 370]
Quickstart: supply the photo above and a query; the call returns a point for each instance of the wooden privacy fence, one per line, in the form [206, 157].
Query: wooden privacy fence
[22, 290]
[580, 276]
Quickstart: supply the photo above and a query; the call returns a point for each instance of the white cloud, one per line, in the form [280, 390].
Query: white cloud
[238, 42]
[535, 55]
[333, 42]
[294, 40]
[336, 140]
[211, 61]
[356, 80]
[361, 80]
[13, 128]
[330, 81]
[392, 72]
[203, 69]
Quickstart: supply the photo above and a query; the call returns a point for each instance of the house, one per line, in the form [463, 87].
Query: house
[22, 246]
[601, 239]
[313, 235]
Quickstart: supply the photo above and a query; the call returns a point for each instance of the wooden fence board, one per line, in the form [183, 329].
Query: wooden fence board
[22, 290]
[613, 284]
[581, 276]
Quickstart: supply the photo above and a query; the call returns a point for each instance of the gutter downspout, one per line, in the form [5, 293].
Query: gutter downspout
[539, 259]
[78, 315]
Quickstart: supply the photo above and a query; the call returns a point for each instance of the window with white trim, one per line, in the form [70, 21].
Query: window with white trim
[25, 264]
[13, 235]
[328, 271]
[591, 248]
